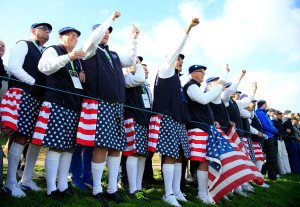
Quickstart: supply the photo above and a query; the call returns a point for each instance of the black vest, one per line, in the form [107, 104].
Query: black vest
[246, 127]
[102, 80]
[134, 99]
[62, 80]
[235, 116]
[169, 99]
[257, 125]
[199, 112]
[30, 65]
[221, 115]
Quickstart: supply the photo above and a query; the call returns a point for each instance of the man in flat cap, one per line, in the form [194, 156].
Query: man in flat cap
[200, 111]
[282, 157]
[290, 141]
[57, 123]
[26, 97]
[270, 144]
[171, 135]
[105, 84]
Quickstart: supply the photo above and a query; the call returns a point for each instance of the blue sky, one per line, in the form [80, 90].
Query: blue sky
[260, 36]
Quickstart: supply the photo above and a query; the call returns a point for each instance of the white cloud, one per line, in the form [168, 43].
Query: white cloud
[240, 31]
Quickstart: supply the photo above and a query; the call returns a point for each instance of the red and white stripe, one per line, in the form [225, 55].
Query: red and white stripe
[130, 137]
[258, 153]
[87, 123]
[9, 108]
[237, 169]
[233, 135]
[153, 133]
[247, 146]
[197, 144]
[41, 124]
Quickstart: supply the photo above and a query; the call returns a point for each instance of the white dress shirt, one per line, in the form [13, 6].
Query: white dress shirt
[167, 68]
[196, 94]
[50, 62]
[136, 79]
[91, 44]
[16, 61]
[228, 93]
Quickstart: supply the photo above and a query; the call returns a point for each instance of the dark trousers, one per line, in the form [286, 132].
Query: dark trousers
[81, 163]
[292, 150]
[123, 173]
[148, 172]
[271, 151]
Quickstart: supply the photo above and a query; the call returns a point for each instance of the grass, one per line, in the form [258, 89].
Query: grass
[283, 193]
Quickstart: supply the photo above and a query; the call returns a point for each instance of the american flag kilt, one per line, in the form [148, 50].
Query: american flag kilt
[167, 136]
[136, 138]
[258, 152]
[197, 143]
[249, 148]
[101, 124]
[56, 127]
[229, 167]
[19, 111]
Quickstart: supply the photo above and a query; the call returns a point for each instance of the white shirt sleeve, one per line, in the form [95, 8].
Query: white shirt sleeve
[129, 60]
[90, 45]
[16, 61]
[244, 102]
[166, 69]
[137, 79]
[252, 129]
[245, 113]
[195, 93]
[228, 93]
[50, 62]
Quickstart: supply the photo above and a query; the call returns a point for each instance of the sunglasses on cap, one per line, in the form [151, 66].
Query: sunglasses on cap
[44, 27]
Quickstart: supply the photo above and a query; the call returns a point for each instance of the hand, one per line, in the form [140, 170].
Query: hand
[217, 125]
[288, 131]
[232, 124]
[135, 31]
[259, 134]
[82, 77]
[194, 22]
[243, 73]
[254, 87]
[116, 15]
[76, 55]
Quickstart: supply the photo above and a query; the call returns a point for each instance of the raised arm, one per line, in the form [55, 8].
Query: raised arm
[166, 69]
[136, 79]
[90, 45]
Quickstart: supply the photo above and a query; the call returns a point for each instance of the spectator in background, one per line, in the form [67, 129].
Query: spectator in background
[290, 141]
[282, 157]
[270, 144]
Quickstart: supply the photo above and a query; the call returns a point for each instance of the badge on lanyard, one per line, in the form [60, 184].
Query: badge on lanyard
[146, 101]
[75, 77]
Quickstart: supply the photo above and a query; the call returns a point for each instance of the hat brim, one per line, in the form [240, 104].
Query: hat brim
[70, 30]
[40, 24]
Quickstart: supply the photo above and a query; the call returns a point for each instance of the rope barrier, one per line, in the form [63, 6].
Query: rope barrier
[127, 106]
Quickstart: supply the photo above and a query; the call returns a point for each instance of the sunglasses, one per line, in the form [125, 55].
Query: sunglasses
[45, 28]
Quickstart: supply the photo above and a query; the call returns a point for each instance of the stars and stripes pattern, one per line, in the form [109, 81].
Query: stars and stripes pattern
[197, 143]
[41, 124]
[229, 167]
[87, 123]
[154, 126]
[258, 153]
[130, 137]
[9, 108]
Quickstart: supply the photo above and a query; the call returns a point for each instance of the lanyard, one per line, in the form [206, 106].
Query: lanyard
[72, 65]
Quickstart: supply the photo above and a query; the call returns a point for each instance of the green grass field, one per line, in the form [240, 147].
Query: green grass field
[284, 192]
